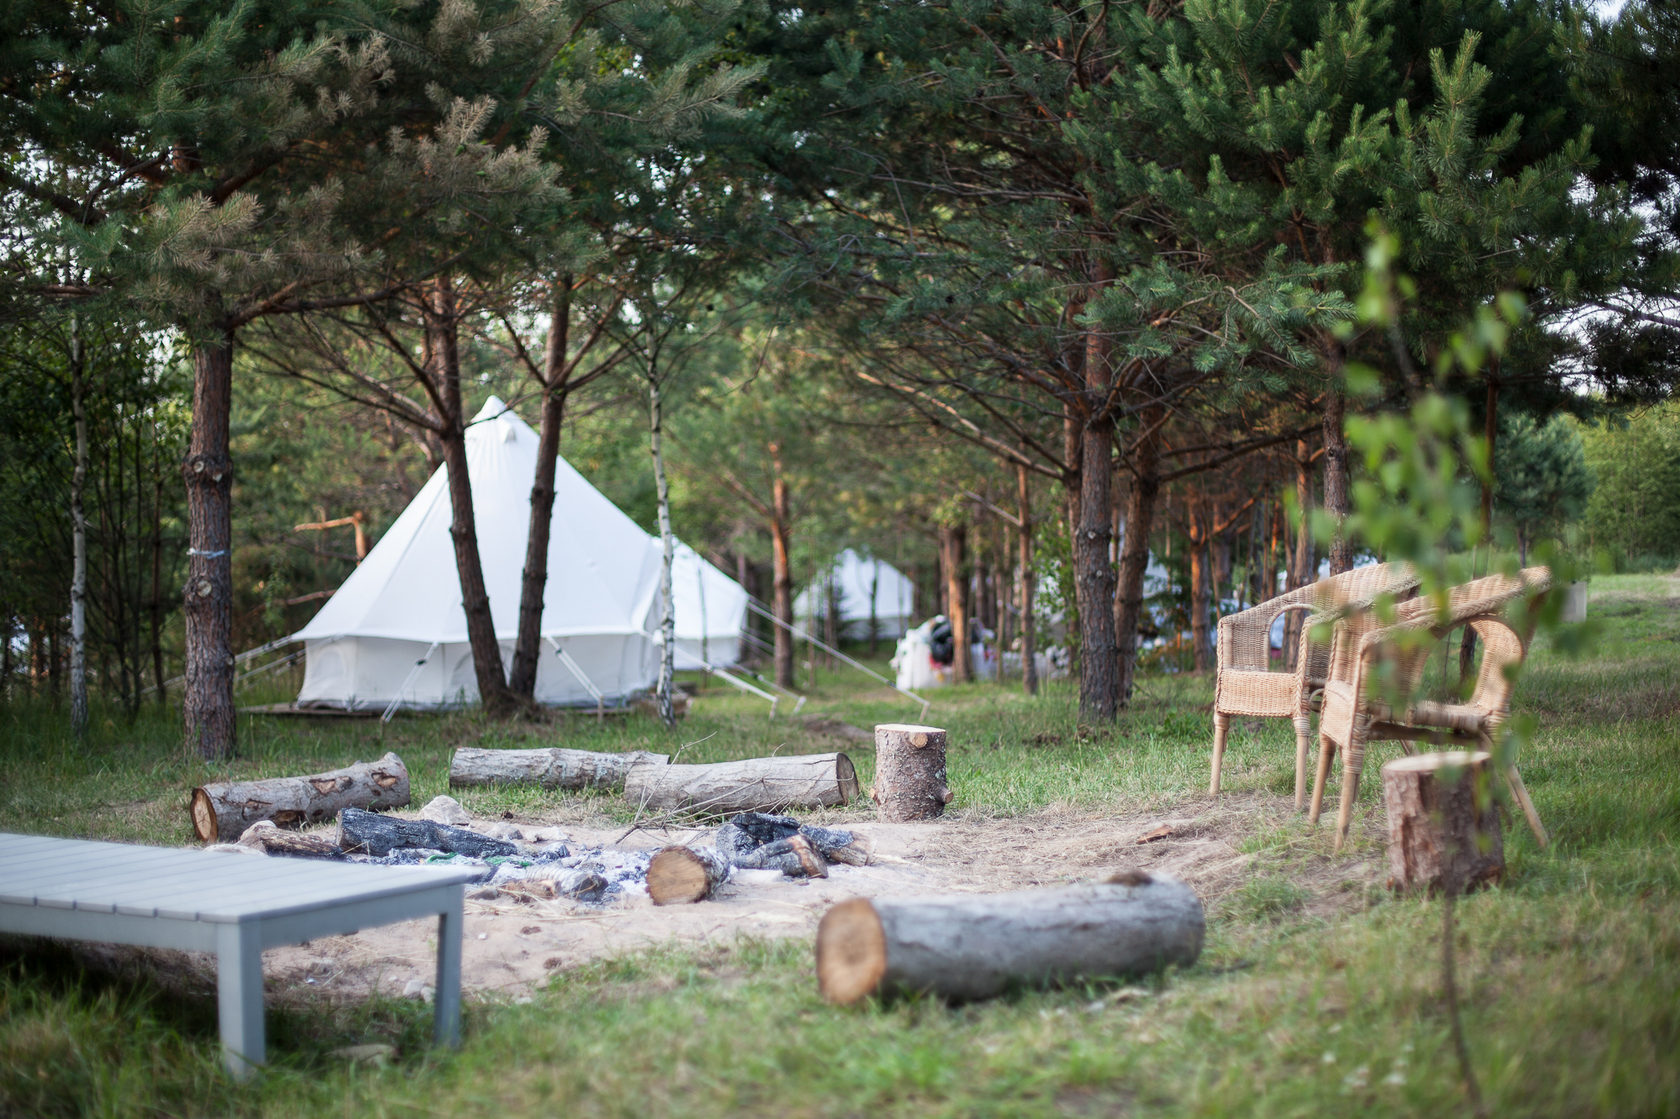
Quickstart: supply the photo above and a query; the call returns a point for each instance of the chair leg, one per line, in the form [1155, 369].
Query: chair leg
[1520, 791]
[1303, 732]
[1326, 751]
[1221, 728]
[1353, 760]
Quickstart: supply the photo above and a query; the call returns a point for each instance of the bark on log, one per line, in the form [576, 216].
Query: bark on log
[270, 840]
[685, 874]
[1434, 828]
[552, 768]
[369, 833]
[753, 785]
[222, 810]
[963, 948]
[910, 772]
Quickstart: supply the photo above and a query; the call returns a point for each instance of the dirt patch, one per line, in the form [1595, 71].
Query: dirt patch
[511, 948]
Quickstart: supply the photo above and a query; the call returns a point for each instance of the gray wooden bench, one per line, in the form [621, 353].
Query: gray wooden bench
[230, 904]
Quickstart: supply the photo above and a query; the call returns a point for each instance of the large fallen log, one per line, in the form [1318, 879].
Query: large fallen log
[1439, 836]
[753, 785]
[685, 874]
[978, 946]
[552, 767]
[368, 833]
[222, 810]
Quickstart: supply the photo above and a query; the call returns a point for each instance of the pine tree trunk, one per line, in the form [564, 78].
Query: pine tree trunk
[1099, 678]
[78, 531]
[1134, 553]
[781, 599]
[207, 706]
[1029, 651]
[533, 581]
[952, 546]
[1200, 599]
[662, 491]
[1301, 558]
[1336, 470]
[443, 351]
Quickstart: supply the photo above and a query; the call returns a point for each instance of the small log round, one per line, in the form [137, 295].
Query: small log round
[1437, 837]
[974, 947]
[222, 810]
[910, 781]
[753, 785]
[679, 875]
[552, 767]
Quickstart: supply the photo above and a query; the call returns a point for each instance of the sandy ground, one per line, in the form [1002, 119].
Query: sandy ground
[512, 947]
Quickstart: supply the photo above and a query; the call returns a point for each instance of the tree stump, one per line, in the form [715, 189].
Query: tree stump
[974, 947]
[552, 768]
[753, 785]
[222, 810]
[910, 772]
[1434, 828]
[677, 875]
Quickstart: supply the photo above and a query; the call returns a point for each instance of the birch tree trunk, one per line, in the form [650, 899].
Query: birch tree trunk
[668, 622]
[207, 704]
[78, 532]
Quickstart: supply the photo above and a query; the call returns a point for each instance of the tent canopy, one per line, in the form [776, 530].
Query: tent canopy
[858, 580]
[395, 631]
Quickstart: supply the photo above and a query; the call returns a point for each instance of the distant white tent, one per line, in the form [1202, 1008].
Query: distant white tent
[710, 610]
[395, 633]
[857, 580]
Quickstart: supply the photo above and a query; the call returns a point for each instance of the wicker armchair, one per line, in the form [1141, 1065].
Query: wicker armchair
[1354, 713]
[1246, 684]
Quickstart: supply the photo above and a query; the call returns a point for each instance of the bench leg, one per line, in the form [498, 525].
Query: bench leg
[239, 997]
[446, 995]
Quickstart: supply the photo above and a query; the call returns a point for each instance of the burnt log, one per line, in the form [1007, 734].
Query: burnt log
[552, 768]
[740, 836]
[576, 882]
[753, 785]
[910, 782]
[1443, 830]
[265, 837]
[677, 875]
[368, 833]
[795, 857]
[222, 810]
[975, 947]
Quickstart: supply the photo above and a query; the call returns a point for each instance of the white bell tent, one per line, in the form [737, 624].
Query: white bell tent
[710, 610]
[855, 579]
[395, 633]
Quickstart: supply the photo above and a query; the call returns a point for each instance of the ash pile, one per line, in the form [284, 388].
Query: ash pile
[523, 863]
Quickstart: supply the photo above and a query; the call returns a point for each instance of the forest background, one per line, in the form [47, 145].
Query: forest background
[905, 280]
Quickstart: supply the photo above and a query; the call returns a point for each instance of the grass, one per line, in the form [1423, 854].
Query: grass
[1570, 971]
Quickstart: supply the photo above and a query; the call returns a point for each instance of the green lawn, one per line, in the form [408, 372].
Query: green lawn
[1570, 972]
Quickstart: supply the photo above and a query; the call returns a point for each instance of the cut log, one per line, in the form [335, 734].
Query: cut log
[552, 768]
[753, 785]
[677, 875]
[910, 772]
[1434, 827]
[222, 810]
[974, 947]
[368, 833]
[265, 837]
